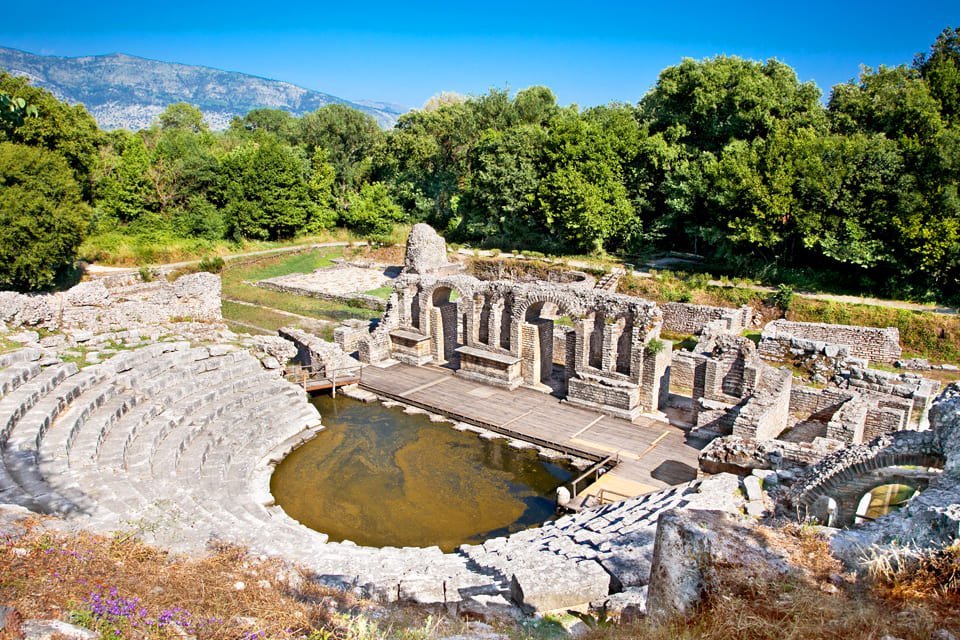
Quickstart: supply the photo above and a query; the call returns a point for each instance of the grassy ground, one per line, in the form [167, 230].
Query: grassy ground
[122, 249]
[235, 282]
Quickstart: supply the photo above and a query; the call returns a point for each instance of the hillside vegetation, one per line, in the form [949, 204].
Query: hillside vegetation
[731, 159]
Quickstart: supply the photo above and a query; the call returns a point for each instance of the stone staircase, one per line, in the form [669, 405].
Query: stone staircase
[610, 280]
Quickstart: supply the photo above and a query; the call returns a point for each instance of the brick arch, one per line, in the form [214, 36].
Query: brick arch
[849, 474]
[568, 307]
[465, 292]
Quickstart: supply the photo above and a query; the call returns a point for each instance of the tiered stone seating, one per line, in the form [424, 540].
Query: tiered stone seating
[179, 443]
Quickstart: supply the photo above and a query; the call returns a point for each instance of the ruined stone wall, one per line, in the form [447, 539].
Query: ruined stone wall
[883, 420]
[764, 415]
[809, 403]
[361, 300]
[683, 371]
[92, 306]
[731, 454]
[681, 317]
[847, 423]
[881, 345]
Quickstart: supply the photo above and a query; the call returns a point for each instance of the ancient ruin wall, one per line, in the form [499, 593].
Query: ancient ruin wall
[764, 415]
[93, 306]
[881, 345]
[680, 317]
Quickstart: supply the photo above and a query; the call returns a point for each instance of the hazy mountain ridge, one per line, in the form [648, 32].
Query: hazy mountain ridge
[123, 91]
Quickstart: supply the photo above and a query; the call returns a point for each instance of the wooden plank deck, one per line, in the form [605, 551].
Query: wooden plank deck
[653, 454]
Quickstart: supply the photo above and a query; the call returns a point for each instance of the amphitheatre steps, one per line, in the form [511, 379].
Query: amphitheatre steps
[178, 443]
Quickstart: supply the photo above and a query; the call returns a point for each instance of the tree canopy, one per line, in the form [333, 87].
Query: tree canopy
[733, 159]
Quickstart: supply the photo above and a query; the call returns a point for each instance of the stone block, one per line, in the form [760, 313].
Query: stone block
[552, 585]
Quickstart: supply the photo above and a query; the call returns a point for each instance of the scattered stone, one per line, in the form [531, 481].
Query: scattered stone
[942, 634]
[55, 630]
[269, 362]
[10, 621]
[751, 484]
[24, 337]
[558, 585]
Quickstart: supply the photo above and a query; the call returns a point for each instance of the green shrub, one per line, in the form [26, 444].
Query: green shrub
[212, 264]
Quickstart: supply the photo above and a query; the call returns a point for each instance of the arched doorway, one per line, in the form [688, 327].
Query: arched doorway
[547, 347]
[446, 331]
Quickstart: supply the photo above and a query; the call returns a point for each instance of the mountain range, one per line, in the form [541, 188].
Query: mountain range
[123, 91]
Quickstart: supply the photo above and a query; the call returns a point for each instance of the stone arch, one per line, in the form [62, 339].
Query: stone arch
[532, 340]
[447, 322]
[847, 475]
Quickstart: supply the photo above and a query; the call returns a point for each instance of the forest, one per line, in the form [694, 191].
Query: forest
[731, 159]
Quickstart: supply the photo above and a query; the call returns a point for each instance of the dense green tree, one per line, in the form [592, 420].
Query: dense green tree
[182, 116]
[43, 218]
[582, 196]
[68, 130]
[349, 137]
[372, 213]
[501, 200]
[322, 178]
[894, 101]
[266, 191]
[941, 70]
[709, 103]
[275, 121]
[124, 187]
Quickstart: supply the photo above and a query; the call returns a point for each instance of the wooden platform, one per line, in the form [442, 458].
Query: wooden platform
[653, 454]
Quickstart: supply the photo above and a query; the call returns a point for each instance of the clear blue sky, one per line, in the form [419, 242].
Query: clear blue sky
[587, 52]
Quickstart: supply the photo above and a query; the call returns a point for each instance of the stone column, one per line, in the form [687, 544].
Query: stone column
[655, 377]
[436, 335]
[611, 338]
[494, 322]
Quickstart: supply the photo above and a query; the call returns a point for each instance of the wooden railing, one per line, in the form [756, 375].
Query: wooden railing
[596, 471]
[323, 377]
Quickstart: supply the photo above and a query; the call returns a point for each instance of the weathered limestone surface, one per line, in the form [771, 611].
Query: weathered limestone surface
[426, 252]
[689, 544]
[94, 307]
[682, 317]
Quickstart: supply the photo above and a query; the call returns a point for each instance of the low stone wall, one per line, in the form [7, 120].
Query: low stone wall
[683, 371]
[680, 317]
[881, 345]
[732, 454]
[313, 351]
[94, 307]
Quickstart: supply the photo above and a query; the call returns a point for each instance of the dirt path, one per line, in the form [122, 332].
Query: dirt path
[97, 269]
[319, 322]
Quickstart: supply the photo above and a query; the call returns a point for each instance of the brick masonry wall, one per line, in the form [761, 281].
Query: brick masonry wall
[680, 317]
[816, 404]
[682, 372]
[881, 345]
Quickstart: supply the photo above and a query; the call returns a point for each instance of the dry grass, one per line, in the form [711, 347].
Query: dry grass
[386, 254]
[226, 594]
[54, 575]
[820, 602]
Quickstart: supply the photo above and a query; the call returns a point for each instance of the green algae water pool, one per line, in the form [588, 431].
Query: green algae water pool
[380, 477]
